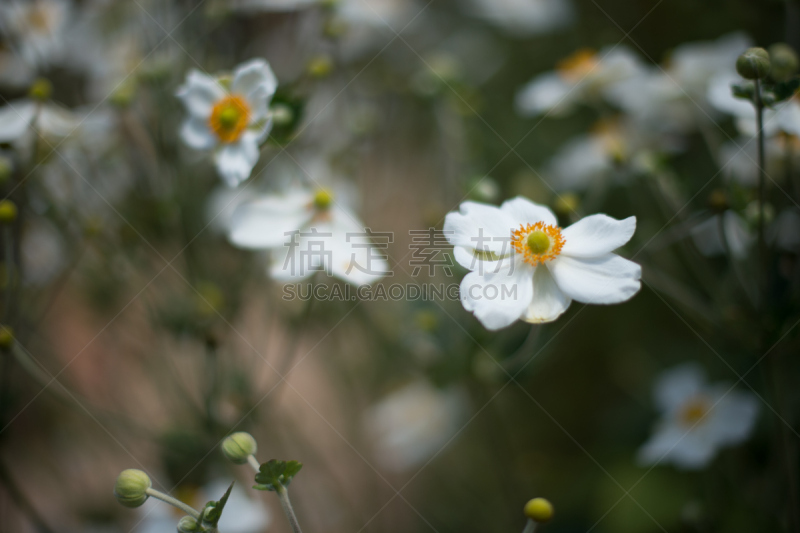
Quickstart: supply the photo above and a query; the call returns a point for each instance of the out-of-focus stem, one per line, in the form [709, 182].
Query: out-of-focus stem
[762, 244]
[530, 527]
[166, 498]
[286, 505]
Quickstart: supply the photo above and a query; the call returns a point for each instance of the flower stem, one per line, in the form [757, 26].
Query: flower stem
[286, 505]
[166, 498]
[762, 244]
[530, 527]
[252, 461]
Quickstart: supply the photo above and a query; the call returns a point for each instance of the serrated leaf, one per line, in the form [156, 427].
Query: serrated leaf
[274, 474]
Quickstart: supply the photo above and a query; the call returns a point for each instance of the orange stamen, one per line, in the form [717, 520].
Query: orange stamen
[229, 118]
[519, 240]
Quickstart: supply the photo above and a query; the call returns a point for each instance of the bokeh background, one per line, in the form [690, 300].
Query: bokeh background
[143, 337]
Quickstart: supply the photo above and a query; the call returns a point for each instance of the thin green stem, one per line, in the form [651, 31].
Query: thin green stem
[530, 527]
[253, 462]
[286, 505]
[166, 498]
[762, 243]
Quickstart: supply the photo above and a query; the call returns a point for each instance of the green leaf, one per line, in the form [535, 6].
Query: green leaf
[212, 512]
[274, 474]
[786, 89]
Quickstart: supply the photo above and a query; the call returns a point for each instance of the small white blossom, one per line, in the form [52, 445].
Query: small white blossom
[525, 17]
[230, 117]
[307, 231]
[524, 267]
[35, 29]
[412, 424]
[697, 419]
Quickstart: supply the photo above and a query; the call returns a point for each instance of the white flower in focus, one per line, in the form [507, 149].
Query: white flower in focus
[412, 424]
[524, 267]
[230, 117]
[35, 28]
[307, 231]
[525, 17]
[697, 419]
[581, 77]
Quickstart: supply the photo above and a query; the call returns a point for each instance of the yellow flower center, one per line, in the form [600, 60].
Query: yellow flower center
[694, 411]
[576, 66]
[323, 199]
[538, 243]
[229, 118]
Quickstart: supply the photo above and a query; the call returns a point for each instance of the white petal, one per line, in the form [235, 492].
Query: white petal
[676, 386]
[468, 258]
[522, 211]
[548, 301]
[673, 443]
[196, 134]
[597, 235]
[734, 414]
[304, 253]
[263, 223]
[357, 261]
[480, 226]
[545, 93]
[257, 83]
[260, 130]
[235, 161]
[606, 279]
[199, 94]
[498, 299]
[15, 120]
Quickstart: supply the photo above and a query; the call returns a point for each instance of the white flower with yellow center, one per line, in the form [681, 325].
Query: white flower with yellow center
[697, 419]
[524, 267]
[35, 29]
[229, 116]
[306, 232]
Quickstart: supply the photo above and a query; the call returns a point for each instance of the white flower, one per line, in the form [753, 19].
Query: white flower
[783, 117]
[272, 5]
[721, 234]
[307, 231]
[577, 78]
[525, 17]
[35, 28]
[232, 120]
[414, 423]
[22, 119]
[524, 267]
[697, 419]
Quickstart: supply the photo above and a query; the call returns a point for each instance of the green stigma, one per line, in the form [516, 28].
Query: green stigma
[229, 117]
[538, 242]
[323, 199]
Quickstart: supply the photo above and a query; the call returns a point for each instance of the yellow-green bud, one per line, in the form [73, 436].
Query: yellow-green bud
[124, 94]
[6, 337]
[187, 524]
[567, 203]
[784, 61]
[539, 510]
[753, 64]
[320, 66]
[238, 447]
[131, 487]
[282, 114]
[538, 242]
[8, 211]
[41, 89]
[6, 168]
[323, 199]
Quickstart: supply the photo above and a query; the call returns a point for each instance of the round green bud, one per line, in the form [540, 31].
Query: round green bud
[123, 95]
[131, 487]
[539, 510]
[567, 203]
[6, 337]
[6, 168]
[8, 211]
[187, 524]
[238, 447]
[538, 242]
[282, 114]
[320, 66]
[323, 199]
[784, 61]
[753, 64]
[41, 89]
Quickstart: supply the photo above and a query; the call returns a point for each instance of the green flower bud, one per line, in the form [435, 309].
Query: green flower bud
[567, 203]
[187, 524]
[784, 61]
[6, 168]
[282, 114]
[323, 199]
[320, 67]
[131, 487]
[6, 337]
[41, 89]
[124, 94]
[238, 447]
[753, 64]
[539, 510]
[8, 211]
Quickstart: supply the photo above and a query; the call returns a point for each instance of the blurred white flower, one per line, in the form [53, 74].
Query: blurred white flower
[42, 252]
[229, 116]
[22, 120]
[525, 17]
[412, 424]
[694, 65]
[35, 28]
[272, 5]
[308, 231]
[783, 117]
[721, 234]
[697, 419]
[579, 78]
[524, 267]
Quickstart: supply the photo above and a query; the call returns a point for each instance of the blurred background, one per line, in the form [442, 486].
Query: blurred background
[136, 336]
